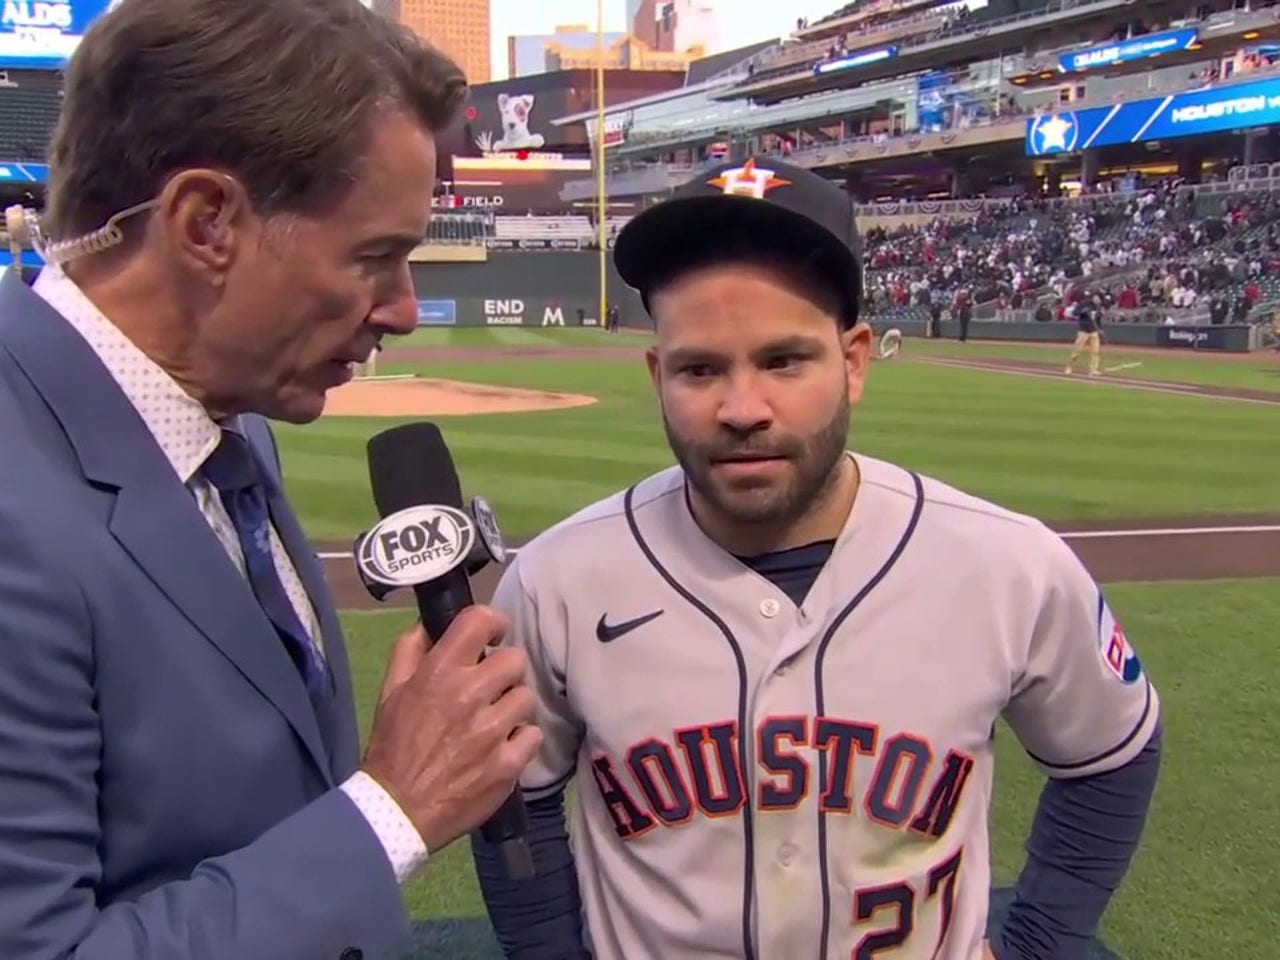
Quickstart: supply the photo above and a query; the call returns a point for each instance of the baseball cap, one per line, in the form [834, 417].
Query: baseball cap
[761, 204]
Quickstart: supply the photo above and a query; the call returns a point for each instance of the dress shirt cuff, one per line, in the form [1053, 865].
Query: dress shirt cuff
[399, 838]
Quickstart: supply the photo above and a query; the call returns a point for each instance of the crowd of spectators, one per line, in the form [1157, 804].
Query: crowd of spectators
[1154, 248]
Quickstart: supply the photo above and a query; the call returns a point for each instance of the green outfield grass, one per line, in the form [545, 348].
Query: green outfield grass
[1257, 371]
[1200, 886]
[517, 337]
[1060, 450]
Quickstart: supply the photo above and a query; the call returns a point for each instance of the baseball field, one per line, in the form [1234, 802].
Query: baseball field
[1164, 475]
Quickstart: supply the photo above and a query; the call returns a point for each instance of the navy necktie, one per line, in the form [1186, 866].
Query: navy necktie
[232, 469]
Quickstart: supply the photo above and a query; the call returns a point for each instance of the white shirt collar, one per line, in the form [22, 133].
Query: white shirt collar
[183, 429]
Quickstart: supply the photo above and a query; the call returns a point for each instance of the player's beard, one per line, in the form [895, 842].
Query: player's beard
[812, 471]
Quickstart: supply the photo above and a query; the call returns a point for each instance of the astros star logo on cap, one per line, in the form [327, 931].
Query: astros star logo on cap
[748, 180]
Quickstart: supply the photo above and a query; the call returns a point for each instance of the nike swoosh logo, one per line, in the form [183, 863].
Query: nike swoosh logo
[609, 632]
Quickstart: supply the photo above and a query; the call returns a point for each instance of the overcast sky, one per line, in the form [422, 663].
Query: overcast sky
[751, 20]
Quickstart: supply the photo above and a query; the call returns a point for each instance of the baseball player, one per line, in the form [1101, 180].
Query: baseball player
[774, 670]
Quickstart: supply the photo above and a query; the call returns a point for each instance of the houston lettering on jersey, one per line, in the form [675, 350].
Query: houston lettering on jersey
[697, 772]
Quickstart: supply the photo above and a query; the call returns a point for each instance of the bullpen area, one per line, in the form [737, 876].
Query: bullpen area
[1163, 474]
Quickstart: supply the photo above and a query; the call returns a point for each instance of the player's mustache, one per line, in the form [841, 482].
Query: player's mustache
[736, 448]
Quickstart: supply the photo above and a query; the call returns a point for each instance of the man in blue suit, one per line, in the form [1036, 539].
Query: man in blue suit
[180, 774]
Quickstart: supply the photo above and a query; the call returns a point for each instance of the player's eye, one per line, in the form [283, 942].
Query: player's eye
[697, 371]
[785, 361]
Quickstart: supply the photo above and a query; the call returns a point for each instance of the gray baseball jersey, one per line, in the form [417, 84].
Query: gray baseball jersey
[759, 780]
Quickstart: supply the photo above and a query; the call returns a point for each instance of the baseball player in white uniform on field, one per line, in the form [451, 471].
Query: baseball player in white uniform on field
[773, 671]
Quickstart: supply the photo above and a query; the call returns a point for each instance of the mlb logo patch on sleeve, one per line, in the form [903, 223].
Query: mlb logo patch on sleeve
[1116, 650]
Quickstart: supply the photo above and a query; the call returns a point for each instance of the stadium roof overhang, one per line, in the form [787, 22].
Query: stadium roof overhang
[837, 26]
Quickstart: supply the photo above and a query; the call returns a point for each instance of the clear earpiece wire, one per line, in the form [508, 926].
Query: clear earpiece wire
[23, 225]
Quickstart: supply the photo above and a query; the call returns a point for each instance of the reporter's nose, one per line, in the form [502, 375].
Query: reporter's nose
[397, 313]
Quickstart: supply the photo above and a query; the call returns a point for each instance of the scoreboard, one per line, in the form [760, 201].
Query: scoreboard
[42, 34]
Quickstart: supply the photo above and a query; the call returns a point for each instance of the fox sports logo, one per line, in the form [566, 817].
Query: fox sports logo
[416, 545]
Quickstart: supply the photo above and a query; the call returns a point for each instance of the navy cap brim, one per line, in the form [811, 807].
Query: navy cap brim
[652, 245]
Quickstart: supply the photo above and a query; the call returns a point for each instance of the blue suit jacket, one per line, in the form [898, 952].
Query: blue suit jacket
[167, 788]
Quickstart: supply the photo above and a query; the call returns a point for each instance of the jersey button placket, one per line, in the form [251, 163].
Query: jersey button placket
[785, 893]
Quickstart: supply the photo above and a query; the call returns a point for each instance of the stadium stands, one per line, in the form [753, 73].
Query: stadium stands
[571, 227]
[914, 30]
[520, 231]
[460, 228]
[1148, 254]
[30, 112]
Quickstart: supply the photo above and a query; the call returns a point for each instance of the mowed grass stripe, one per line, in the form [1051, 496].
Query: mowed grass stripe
[608, 380]
[481, 337]
[532, 473]
[1051, 449]
[1257, 371]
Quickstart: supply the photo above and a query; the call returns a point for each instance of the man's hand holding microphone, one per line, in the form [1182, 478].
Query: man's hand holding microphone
[451, 733]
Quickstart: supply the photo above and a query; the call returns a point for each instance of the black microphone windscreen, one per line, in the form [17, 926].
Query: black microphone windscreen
[410, 465]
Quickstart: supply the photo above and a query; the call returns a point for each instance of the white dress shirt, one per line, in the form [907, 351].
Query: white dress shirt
[187, 435]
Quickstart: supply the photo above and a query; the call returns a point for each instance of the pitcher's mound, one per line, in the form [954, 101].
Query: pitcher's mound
[423, 397]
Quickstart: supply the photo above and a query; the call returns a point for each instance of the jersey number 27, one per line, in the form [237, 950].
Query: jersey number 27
[902, 898]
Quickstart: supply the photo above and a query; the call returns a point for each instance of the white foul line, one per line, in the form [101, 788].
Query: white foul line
[1121, 383]
[1065, 534]
[1166, 532]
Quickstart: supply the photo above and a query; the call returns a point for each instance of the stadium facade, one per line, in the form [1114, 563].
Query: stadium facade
[914, 99]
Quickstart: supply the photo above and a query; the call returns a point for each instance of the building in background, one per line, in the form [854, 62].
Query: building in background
[538, 53]
[675, 26]
[575, 47]
[458, 27]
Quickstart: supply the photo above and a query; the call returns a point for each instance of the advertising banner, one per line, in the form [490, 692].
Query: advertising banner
[518, 312]
[1127, 51]
[531, 243]
[1195, 338]
[437, 313]
[12, 172]
[1214, 110]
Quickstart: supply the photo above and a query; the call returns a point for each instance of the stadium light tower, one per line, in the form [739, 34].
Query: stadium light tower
[601, 207]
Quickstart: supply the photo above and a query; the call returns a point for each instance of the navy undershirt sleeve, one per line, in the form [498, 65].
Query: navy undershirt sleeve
[1085, 833]
[539, 918]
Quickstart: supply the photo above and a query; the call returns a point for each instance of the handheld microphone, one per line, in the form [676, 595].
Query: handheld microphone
[427, 541]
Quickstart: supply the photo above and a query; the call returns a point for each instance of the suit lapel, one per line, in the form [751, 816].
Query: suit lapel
[155, 518]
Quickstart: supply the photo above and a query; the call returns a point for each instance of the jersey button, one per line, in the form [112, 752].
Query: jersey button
[769, 608]
[786, 853]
